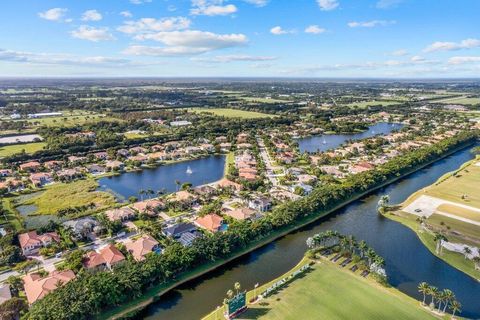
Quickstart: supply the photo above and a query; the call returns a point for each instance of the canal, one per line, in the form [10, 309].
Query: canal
[408, 262]
[197, 172]
[326, 142]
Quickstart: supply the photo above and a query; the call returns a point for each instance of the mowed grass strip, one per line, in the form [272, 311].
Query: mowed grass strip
[60, 196]
[465, 182]
[29, 148]
[459, 211]
[232, 113]
[329, 292]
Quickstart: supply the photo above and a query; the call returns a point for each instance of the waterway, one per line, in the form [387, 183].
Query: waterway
[197, 172]
[408, 261]
[326, 142]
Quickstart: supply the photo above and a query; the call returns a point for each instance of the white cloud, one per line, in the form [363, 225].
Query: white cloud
[258, 3]
[279, 31]
[187, 42]
[146, 25]
[327, 5]
[315, 29]
[140, 1]
[92, 34]
[211, 8]
[464, 60]
[399, 53]
[417, 59]
[234, 58]
[370, 24]
[91, 15]
[450, 46]
[387, 4]
[126, 14]
[61, 59]
[54, 14]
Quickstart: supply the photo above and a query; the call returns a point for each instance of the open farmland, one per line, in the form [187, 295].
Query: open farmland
[232, 113]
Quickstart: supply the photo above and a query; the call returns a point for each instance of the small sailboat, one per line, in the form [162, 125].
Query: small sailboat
[324, 141]
[189, 170]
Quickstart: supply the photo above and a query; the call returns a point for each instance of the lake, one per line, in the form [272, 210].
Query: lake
[197, 172]
[408, 261]
[326, 142]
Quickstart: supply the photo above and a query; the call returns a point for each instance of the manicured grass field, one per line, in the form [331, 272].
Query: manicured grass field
[460, 212]
[232, 113]
[365, 104]
[229, 160]
[329, 292]
[9, 150]
[66, 195]
[460, 100]
[465, 182]
[263, 100]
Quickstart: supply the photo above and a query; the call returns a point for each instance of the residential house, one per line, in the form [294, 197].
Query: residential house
[105, 258]
[114, 165]
[37, 287]
[120, 214]
[142, 246]
[243, 214]
[5, 173]
[96, 169]
[76, 160]
[5, 293]
[260, 203]
[30, 166]
[101, 155]
[40, 179]
[83, 227]
[227, 184]
[53, 165]
[178, 229]
[184, 197]
[69, 174]
[31, 242]
[210, 222]
[150, 206]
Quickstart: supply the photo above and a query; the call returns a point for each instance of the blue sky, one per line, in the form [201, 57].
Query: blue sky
[286, 38]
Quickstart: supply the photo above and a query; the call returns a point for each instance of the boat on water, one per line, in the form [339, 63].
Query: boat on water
[189, 170]
[324, 141]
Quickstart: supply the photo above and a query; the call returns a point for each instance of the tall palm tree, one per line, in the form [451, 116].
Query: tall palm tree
[449, 297]
[455, 306]
[440, 298]
[141, 192]
[476, 260]
[433, 291]
[177, 183]
[230, 294]
[423, 288]
[363, 247]
[237, 287]
[439, 238]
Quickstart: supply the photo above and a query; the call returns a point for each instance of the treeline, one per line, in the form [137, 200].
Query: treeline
[91, 294]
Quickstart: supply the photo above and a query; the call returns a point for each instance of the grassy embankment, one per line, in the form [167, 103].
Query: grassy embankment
[232, 113]
[156, 292]
[451, 186]
[29, 148]
[330, 292]
[79, 193]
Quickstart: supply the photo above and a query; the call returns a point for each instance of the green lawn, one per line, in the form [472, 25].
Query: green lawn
[66, 195]
[330, 292]
[232, 113]
[459, 100]
[229, 160]
[9, 150]
[263, 100]
[365, 104]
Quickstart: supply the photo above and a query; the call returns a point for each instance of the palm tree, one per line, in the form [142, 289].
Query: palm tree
[383, 203]
[433, 291]
[141, 192]
[466, 251]
[230, 294]
[177, 183]
[423, 288]
[440, 298]
[476, 260]
[363, 247]
[455, 306]
[439, 238]
[449, 296]
[237, 287]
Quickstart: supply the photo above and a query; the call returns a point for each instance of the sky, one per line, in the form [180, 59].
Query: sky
[240, 38]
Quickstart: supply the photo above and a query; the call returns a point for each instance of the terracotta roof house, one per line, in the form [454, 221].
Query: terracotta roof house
[30, 242]
[120, 214]
[150, 206]
[102, 155]
[75, 159]
[52, 164]
[261, 204]
[39, 179]
[225, 184]
[106, 257]
[5, 172]
[243, 214]
[142, 246]
[30, 166]
[183, 196]
[114, 164]
[5, 293]
[37, 287]
[210, 222]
